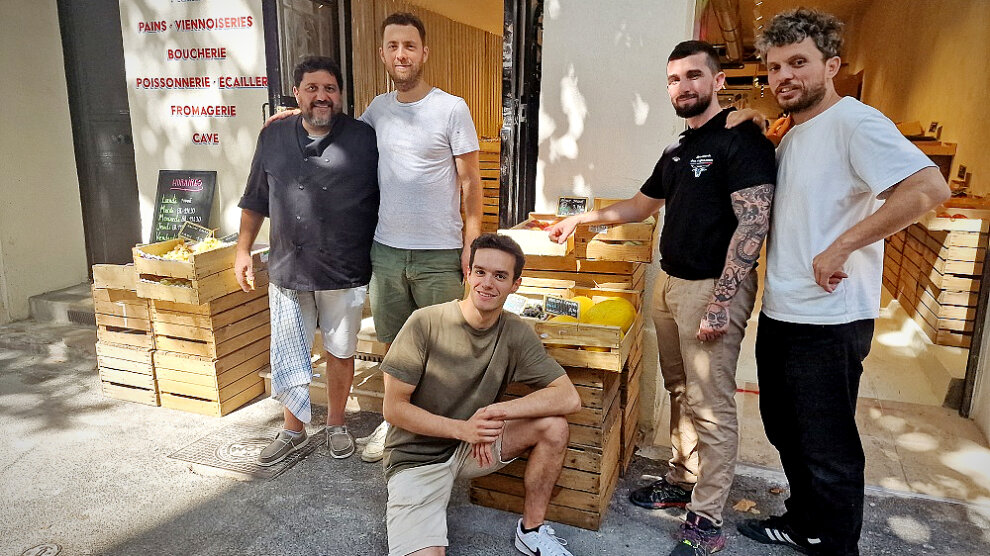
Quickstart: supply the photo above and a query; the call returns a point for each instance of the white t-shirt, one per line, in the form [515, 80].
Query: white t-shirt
[830, 171]
[417, 142]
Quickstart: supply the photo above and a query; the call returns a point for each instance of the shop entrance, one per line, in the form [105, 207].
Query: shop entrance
[101, 127]
[487, 53]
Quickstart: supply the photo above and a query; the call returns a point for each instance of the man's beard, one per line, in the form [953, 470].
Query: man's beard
[318, 121]
[695, 109]
[809, 97]
[408, 82]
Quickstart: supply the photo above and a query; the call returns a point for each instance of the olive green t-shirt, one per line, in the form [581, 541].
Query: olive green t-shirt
[458, 370]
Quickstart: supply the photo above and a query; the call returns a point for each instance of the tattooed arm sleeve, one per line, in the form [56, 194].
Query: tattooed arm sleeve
[752, 208]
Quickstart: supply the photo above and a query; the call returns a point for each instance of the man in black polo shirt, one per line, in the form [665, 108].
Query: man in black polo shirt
[717, 185]
[315, 176]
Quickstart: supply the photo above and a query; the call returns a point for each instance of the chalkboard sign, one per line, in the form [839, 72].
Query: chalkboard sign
[182, 195]
[561, 306]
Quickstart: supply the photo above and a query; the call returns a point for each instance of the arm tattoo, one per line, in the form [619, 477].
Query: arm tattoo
[752, 208]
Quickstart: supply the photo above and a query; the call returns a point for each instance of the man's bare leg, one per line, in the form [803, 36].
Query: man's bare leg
[340, 376]
[547, 436]
[291, 422]
[430, 551]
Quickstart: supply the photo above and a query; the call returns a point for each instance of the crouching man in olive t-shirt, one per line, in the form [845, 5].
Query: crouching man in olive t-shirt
[446, 369]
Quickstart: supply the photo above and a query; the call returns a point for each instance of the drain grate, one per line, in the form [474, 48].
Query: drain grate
[235, 449]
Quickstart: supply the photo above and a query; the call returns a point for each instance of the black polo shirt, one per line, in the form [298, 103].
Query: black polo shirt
[696, 176]
[322, 199]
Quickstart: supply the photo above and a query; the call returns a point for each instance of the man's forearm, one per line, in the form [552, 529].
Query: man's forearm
[752, 208]
[250, 226]
[908, 201]
[545, 402]
[471, 193]
[417, 420]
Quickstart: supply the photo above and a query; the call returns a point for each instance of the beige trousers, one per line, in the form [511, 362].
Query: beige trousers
[701, 379]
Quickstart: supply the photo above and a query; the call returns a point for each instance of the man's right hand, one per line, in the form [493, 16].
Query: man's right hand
[562, 230]
[745, 115]
[281, 115]
[484, 427]
[244, 270]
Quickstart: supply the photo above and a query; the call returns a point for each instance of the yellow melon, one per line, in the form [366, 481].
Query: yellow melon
[563, 318]
[614, 311]
[584, 302]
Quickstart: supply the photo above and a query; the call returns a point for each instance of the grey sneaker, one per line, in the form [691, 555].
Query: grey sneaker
[339, 441]
[280, 448]
[374, 450]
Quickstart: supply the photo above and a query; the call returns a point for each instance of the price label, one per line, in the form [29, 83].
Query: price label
[515, 303]
[599, 229]
[194, 232]
[561, 306]
[230, 238]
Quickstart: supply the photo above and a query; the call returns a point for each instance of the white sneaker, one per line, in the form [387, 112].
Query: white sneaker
[363, 441]
[374, 448]
[541, 542]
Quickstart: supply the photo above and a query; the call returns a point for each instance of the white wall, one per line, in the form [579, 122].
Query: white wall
[42, 247]
[605, 116]
[165, 142]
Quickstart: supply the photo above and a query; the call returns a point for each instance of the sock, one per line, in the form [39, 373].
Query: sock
[525, 530]
[294, 434]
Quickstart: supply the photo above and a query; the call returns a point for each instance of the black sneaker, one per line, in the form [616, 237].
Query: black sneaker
[698, 536]
[660, 494]
[776, 530]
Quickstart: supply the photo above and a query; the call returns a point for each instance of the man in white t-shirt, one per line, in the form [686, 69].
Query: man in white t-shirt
[846, 179]
[427, 170]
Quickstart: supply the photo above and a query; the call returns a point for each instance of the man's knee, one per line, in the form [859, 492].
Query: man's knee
[554, 431]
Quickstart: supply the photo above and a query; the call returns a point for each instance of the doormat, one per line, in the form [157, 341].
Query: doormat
[233, 452]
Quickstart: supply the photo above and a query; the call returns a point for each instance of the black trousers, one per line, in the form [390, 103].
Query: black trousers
[809, 381]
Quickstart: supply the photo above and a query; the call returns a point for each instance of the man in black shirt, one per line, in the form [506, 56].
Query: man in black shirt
[315, 175]
[717, 184]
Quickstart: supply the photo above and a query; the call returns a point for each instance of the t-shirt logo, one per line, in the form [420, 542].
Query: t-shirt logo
[701, 163]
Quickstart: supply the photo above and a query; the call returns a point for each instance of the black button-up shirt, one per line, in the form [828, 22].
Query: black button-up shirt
[696, 177]
[322, 199]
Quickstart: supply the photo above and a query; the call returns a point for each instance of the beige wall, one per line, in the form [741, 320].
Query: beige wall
[605, 116]
[163, 141]
[928, 61]
[42, 247]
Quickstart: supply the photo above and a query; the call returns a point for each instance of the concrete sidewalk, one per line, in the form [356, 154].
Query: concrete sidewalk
[91, 475]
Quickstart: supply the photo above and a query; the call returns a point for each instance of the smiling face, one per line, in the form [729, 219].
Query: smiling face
[692, 85]
[491, 279]
[403, 54]
[799, 76]
[318, 96]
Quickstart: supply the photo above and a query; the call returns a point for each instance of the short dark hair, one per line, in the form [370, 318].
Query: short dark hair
[690, 48]
[794, 26]
[406, 18]
[310, 64]
[503, 243]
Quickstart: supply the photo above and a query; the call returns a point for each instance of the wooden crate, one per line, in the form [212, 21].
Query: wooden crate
[491, 173]
[535, 241]
[591, 465]
[127, 373]
[634, 241]
[565, 342]
[209, 274]
[114, 276]
[629, 398]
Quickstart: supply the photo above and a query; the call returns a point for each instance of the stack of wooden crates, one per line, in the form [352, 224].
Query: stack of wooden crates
[202, 340]
[490, 175]
[125, 346]
[934, 267]
[602, 434]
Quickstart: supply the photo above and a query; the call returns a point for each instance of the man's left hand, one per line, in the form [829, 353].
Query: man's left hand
[714, 323]
[483, 453]
[827, 266]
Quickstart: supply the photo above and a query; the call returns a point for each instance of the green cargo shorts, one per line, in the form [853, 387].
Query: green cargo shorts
[403, 280]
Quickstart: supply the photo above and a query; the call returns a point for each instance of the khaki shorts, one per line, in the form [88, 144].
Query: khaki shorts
[416, 512]
[404, 280]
